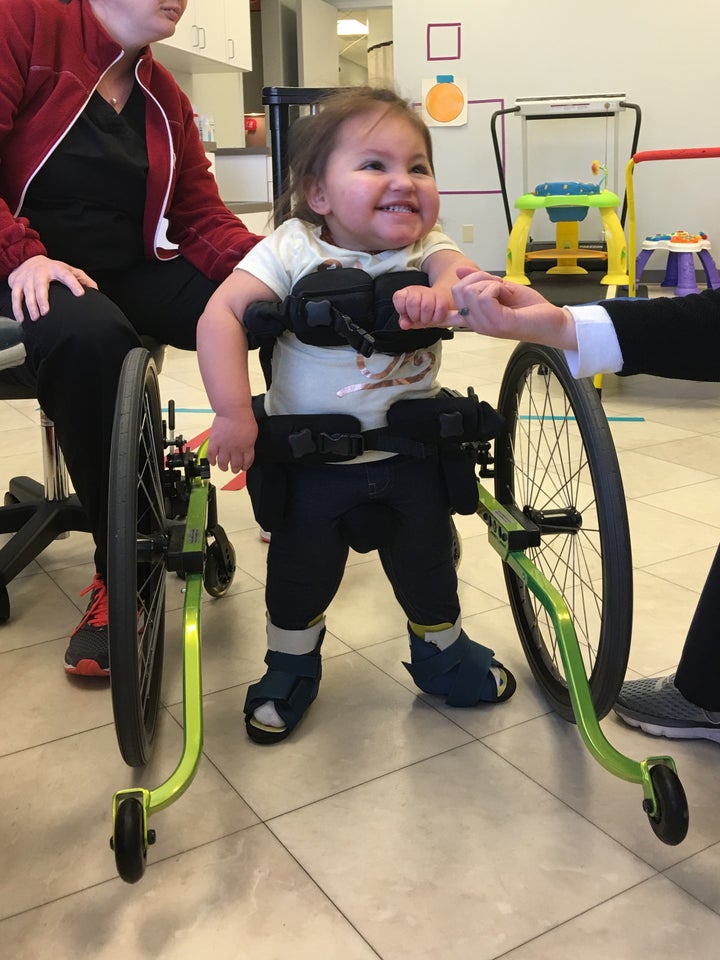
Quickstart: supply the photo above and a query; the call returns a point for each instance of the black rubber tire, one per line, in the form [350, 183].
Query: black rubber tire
[128, 841]
[670, 823]
[137, 538]
[557, 453]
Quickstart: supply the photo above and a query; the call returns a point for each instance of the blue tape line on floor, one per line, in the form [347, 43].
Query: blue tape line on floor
[525, 416]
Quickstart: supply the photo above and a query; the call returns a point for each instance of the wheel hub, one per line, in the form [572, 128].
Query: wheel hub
[563, 520]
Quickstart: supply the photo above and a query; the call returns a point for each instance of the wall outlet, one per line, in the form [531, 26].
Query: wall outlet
[468, 233]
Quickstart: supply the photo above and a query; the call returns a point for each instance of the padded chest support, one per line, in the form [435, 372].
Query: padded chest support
[341, 307]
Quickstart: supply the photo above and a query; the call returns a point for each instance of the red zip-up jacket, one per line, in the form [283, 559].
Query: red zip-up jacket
[52, 56]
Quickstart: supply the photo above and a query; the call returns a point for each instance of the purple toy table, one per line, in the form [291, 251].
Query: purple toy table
[680, 269]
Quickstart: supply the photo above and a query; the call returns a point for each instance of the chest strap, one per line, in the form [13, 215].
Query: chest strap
[342, 307]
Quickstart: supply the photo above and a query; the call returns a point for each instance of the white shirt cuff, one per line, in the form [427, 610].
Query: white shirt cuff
[598, 347]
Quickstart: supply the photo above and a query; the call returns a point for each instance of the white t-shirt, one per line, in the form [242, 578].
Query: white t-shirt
[311, 379]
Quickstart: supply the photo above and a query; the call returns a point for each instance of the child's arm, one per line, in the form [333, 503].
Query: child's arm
[223, 357]
[419, 306]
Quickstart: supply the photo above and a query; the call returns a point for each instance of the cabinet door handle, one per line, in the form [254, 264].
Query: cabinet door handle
[231, 48]
[195, 35]
[202, 34]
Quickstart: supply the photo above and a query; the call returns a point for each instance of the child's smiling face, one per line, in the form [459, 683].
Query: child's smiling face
[378, 191]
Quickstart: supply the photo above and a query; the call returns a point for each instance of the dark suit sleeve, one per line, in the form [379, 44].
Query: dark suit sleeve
[676, 337]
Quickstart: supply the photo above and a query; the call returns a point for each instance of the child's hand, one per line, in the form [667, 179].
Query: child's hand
[420, 307]
[232, 441]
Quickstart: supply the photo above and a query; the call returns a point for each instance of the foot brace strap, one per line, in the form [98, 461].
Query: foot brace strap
[292, 682]
[461, 672]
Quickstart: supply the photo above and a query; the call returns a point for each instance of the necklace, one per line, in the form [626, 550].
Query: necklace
[114, 101]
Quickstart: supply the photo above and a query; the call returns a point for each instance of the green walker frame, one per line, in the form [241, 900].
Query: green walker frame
[578, 659]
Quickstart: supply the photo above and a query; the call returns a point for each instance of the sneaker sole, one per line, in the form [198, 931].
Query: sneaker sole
[87, 668]
[673, 733]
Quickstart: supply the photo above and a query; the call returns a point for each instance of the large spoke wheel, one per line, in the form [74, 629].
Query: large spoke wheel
[556, 463]
[137, 535]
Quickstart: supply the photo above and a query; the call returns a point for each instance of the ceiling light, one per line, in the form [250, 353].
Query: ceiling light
[351, 28]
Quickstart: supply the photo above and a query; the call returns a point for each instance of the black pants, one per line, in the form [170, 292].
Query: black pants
[76, 352]
[698, 675]
[308, 553]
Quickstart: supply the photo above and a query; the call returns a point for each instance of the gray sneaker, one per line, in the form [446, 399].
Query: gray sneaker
[658, 707]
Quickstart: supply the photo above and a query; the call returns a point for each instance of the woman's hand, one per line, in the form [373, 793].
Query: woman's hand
[232, 440]
[500, 308]
[30, 285]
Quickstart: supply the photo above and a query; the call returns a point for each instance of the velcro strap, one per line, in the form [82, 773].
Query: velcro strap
[299, 665]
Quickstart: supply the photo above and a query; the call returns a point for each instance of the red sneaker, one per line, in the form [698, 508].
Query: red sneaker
[88, 653]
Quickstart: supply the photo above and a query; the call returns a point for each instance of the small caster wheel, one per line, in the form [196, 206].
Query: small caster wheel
[128, 841]
[670, 822]
[219, 568]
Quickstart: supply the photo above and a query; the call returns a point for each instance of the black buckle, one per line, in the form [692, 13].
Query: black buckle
[360, 340]
[345, 445]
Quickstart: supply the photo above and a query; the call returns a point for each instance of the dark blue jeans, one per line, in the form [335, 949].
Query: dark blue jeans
[307, 556]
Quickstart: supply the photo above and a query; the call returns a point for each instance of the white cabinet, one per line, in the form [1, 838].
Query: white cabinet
[238, 51]
[215, 31]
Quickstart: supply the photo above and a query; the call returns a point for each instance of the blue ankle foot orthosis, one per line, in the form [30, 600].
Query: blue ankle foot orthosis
[460, 672]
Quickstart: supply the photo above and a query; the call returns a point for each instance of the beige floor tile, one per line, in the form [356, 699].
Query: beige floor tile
[643, 476]
[39, 610]
[240, 896]
[652, 920]
[698, 875]
[551, 752]
[689, 571]
[699, 453]
[662, 613]
[49, 704]
[697, 501]
[409, 877]
[658, 535]
[58, 813]
[362, 726]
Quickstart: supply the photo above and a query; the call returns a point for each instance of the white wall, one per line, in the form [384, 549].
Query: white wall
[662, 56]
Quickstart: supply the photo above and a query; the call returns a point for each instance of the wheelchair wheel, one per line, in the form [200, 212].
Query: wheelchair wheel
[137, 538]
[556, 463]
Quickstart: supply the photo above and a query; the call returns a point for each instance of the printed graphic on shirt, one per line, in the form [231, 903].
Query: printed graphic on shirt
[392, 375]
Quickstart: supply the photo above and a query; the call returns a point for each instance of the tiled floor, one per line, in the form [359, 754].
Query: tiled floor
[389, 825]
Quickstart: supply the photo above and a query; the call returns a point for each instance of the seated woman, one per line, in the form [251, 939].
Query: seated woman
[111, 226]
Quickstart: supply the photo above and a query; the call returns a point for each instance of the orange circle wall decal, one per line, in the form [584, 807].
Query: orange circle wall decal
[444, 101]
